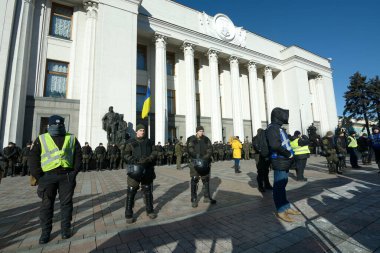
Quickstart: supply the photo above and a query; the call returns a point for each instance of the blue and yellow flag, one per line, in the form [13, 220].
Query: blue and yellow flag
[146, 105]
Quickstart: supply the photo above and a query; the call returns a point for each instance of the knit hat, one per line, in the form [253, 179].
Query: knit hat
[352, 132]
[296, 133]
[199, 128]
[56, 120]
[375, 127]
[140, 126]
[329, 133]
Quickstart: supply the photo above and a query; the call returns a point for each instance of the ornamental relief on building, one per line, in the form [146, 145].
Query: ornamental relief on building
[221, 26]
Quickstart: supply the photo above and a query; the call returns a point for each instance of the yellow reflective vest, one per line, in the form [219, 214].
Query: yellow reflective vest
[352, 143]
[52, 157]
[299, 150]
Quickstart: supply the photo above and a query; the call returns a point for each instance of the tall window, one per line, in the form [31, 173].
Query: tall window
[44, 125]
[171, 101]
[56, 79]
[196, 69]
[198, 104]
[61, 20]
[170, 63]
[141, 57]
[140, 97]
[172, 133]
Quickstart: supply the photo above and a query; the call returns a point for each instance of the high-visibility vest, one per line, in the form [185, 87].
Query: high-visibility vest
[353, 143]
[299, 150]
[52, 157]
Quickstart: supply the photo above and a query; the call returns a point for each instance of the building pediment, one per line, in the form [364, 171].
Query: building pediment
[221, 27]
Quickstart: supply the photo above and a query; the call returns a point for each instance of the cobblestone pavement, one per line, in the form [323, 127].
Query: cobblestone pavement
[339, 214]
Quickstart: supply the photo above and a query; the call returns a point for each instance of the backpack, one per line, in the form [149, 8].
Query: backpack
[260, 143]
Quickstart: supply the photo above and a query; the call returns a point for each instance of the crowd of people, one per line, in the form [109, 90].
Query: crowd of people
[55, 158]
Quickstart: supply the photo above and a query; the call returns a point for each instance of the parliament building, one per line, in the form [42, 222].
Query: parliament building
[76, 58]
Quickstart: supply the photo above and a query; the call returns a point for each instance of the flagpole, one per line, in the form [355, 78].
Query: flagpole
[149, 125]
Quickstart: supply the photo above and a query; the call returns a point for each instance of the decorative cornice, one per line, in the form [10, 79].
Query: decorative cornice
[91, 7]
[251, 65]
[262, 58]
[233, 59]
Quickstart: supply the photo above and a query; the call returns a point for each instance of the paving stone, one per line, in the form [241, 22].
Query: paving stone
[338, 213]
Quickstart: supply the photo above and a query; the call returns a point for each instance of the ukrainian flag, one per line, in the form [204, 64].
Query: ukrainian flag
[146, 105]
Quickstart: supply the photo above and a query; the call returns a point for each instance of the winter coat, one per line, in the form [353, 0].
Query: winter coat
[236, 147]
[278, 118]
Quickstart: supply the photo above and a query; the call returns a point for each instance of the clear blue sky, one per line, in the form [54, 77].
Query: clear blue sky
[346, 30]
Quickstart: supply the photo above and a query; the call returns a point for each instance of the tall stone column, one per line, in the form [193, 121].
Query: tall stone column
[236, 97]
[88, 69]
[269, 91]
[191, 114]
[315, 101]
[254, 97]
[161, 114]
[15, 109]
[216, 114]
[319, 85]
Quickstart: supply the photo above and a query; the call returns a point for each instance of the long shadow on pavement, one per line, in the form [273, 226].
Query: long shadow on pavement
[252, 224]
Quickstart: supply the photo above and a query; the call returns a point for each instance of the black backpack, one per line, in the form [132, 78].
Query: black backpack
[260, 144]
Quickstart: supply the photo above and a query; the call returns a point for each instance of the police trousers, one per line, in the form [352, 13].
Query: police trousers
[48, 186]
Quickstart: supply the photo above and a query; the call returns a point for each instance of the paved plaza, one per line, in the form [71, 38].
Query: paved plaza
[339, 214]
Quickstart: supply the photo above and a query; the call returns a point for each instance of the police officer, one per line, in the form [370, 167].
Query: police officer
[10, 159]
[100, 155]
[140, 156]
[246, 148]
[178, 154]
[86, 155]
[329, 150]
[375, 144]
[170, 153]
[300, 145]
[221, 151]
[352, 150]
[160, 153]
[24, 159]
[200, 151]
[55, 160]
[113, 156]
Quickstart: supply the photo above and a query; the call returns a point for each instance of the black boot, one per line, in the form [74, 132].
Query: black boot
[206, 191]
[66, 233]
[237, 169]
[260, 185]
[45, 237]
[148, 197]
[194, 188]
[339, 170]
[129, 203]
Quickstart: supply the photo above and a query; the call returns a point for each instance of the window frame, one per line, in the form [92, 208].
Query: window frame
[52, 14]
[174, 102]
[141, 46]
[198, 104]
[170, 55]
[139, 110]
[196, 69]
[56, 73]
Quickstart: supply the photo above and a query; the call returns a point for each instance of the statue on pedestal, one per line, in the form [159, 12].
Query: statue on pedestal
[110, 121]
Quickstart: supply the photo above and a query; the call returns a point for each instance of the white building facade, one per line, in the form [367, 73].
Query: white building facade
[76, 58]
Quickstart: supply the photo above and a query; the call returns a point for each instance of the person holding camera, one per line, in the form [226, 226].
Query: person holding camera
[140, 157]
[200, 151]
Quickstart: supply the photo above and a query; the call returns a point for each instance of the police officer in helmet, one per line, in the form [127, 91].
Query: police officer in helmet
[55, 160]
[140, 155]
[200, 151]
